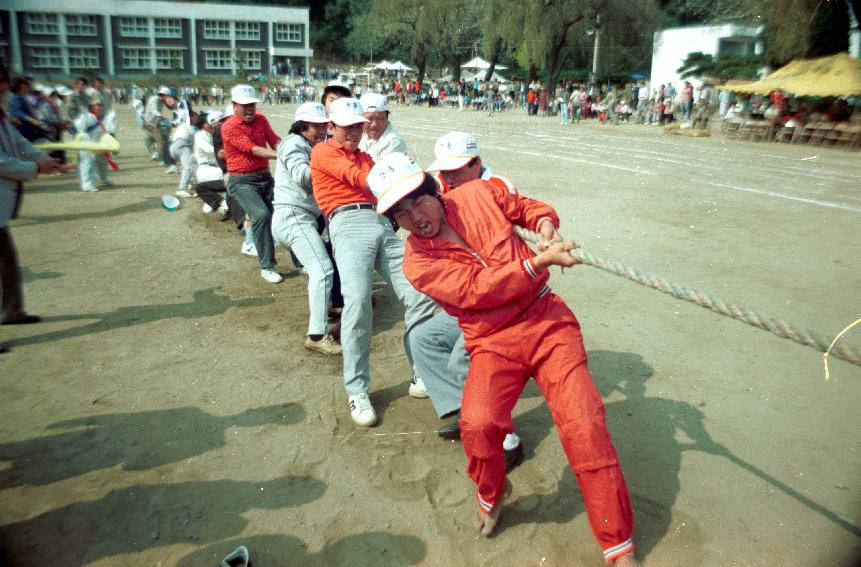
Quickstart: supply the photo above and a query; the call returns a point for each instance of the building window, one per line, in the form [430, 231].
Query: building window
[251, 60]
[134, 27]
[136, 59]
[84, 58]
[216, 29]
[288, 32]
[46, 57]
[169, 59]
[248, 30]
[168, 27]
[217, 59]
[80, 25]
[43, 23]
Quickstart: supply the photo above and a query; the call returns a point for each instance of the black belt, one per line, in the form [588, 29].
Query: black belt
[352, 207]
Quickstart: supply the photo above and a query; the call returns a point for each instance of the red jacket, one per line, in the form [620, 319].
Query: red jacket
[496, 285]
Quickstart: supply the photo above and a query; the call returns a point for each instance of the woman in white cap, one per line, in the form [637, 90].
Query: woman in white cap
[210, 178]
[297, 220]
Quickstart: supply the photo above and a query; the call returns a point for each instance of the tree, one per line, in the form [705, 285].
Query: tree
[723, 67]
[553, 33]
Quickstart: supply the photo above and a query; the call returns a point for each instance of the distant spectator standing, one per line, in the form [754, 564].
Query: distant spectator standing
[79, 100]
[158, 125]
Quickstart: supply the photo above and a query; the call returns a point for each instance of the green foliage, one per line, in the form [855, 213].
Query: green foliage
[702, 65]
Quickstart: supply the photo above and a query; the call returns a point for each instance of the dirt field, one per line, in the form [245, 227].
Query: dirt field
[165, 410]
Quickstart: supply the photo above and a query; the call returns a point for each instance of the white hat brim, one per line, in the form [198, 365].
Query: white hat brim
[450, 163]
[398, 190]
[244, 100]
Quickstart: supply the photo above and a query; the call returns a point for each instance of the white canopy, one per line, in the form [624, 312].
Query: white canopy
[481, 64]
[383, 65]
[399, 66]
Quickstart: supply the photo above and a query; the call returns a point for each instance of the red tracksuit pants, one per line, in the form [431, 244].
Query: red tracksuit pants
[546, 344]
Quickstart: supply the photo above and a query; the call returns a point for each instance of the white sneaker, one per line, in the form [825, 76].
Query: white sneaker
[249, 249]
[171, 169]
[222, 208]
[160, 163]
[154, 156]
[325, 345]
[184, 193]
[90, 189]
[362, 411]
[271, 276]
[206, 209]
[417, 388]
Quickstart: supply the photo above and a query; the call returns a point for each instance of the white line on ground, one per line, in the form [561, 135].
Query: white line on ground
[816, 202]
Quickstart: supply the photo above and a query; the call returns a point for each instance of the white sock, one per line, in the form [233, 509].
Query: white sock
[511, 441]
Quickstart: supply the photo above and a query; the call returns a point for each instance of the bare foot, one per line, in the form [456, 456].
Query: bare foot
[486, 523]
[627, 560]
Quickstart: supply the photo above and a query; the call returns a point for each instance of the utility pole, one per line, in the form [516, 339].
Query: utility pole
[597, 31]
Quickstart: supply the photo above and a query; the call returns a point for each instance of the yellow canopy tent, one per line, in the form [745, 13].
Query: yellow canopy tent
[833, 75]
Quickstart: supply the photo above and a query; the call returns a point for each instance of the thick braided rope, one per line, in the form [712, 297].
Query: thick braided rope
[780, 328]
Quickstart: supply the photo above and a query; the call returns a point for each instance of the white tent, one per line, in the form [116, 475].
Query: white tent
[383, 66]
[399, 66]
[480, 64]
[469, 77]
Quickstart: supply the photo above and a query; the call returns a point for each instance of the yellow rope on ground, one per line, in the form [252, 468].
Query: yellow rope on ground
[827, 352]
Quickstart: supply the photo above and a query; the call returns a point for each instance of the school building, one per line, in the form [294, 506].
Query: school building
[128, 38]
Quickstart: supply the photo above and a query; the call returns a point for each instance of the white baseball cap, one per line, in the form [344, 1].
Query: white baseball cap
[165, 91]
[214, 116]
[453, 151]
[392, 178]
[346, 112]
[373, 102]
[311, 112]
[243, 94]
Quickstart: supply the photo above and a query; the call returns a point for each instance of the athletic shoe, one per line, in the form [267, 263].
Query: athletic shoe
[206, 208]
[249, 249]
[223, 206]
[160, 163]
[90, 189]
[417, 388]
[325, 345]
[271, 276]
[362, 411]
[154, 156]
[171, 169]
[184, 193]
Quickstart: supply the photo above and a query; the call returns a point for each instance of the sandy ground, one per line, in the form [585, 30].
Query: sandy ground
[166, 411]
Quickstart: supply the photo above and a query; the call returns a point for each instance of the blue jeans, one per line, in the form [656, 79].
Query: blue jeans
[563, 112]
[297, 228]
[254, 195]
[365, 243]
[441, 361]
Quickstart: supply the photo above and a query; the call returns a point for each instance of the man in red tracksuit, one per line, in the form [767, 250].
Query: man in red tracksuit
[463, 253]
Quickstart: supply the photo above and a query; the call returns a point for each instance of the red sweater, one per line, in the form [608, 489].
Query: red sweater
[240, 137]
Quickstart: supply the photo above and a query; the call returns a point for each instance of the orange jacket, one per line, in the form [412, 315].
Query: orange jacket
[487, 289]
[338, 176]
